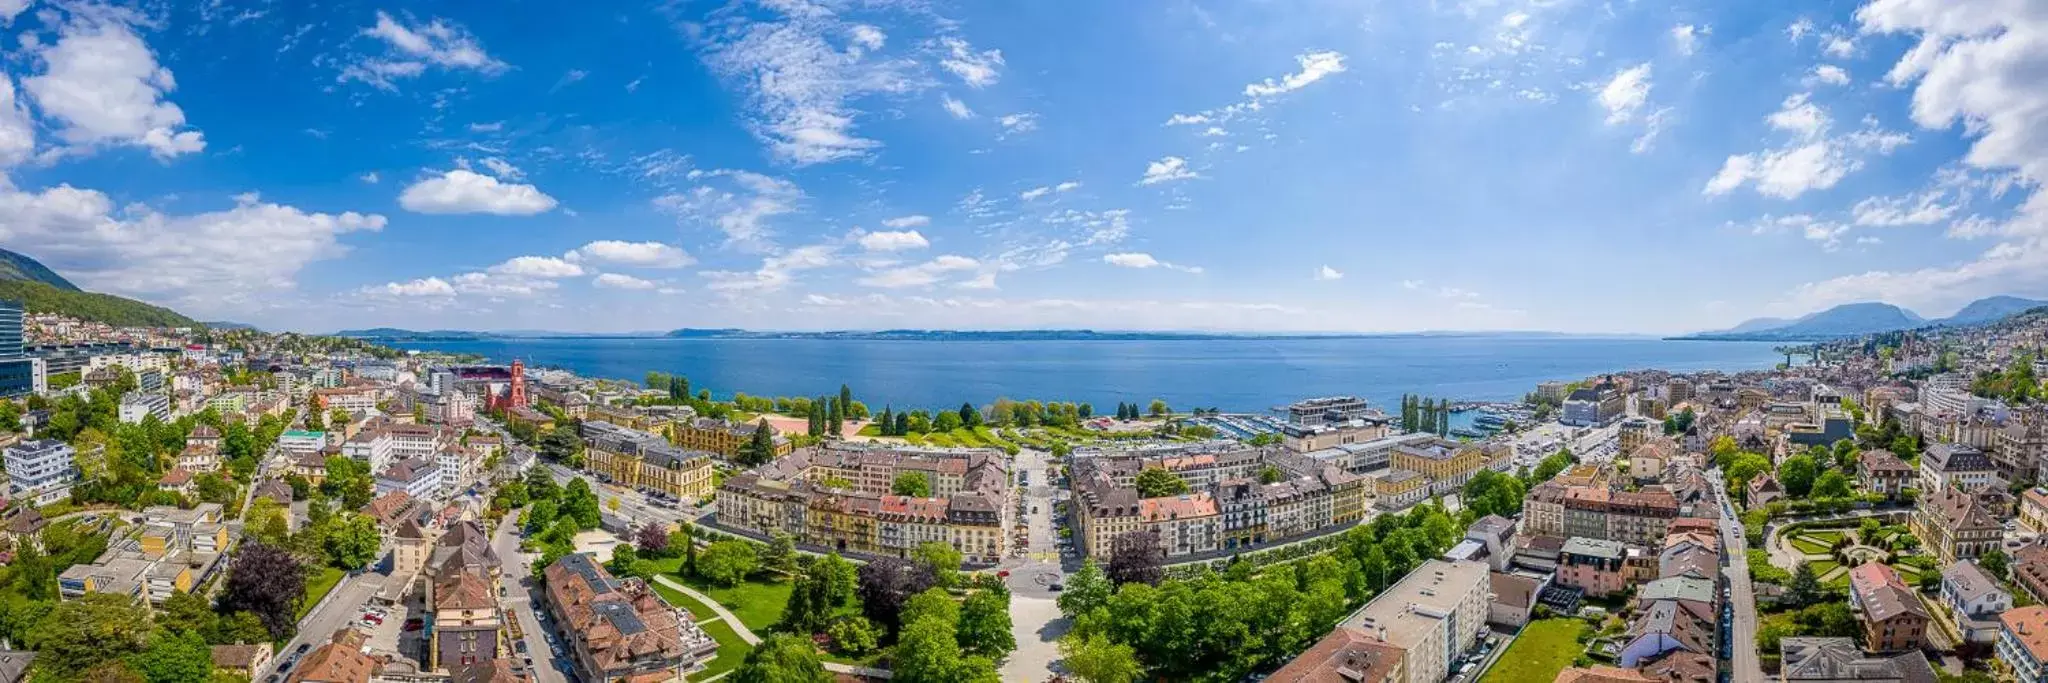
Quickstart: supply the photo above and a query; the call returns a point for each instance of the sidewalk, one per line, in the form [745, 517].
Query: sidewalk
[747, 634]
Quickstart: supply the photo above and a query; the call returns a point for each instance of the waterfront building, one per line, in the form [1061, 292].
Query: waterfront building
[1316, 412]
[1306, 439]
[647, 462]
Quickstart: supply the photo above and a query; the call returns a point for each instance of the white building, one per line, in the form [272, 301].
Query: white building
[1435, 614]
[40, 471]
[418, 477]
[136, 406]
[135, 362]
[301, 442]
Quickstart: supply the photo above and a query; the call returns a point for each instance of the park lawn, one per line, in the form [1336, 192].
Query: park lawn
[1809, 546]
[869, 430]
[731, 651]
[698, 610]
[758, 604]
[1828, 537]
[317, 588]
[941, 440]
[1545, 647]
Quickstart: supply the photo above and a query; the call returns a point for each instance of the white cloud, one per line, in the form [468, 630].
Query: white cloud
[236, 259]
[1328, 274]
[1828, 234]
[1187, 120]
[920, 275]
[1143, 261]
[104, 86]
[955, 107]
[1167, 169]
[410, 49]
[775, 273]
[422, 287]
[799, 87]
[640, 254]
[893, 241]
[498, 284]
[537, 267]
[1068, 186]
[1035, 193]
[619, 281]
[1685, 38]
[1838, 45]
[1918, 209]
[910, 221]
[1625, 93]
[742, 210]
[1828, 74]
[976, 69]
[490, 127]
[465, 191]
[370, 177]
[9, 9]
[867, 37]
[1411, 284]
[17, 128]
[1799, 29]
[1018, 124]
[1314, 67]
[1811, 160]
[503, 169]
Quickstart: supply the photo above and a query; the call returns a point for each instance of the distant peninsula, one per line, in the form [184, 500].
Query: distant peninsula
[392, 334]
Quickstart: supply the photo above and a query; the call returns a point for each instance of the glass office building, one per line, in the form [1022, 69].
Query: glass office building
[17, 370]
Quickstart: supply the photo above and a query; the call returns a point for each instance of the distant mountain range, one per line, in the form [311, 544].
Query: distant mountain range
[15, 266]
[1851, 320]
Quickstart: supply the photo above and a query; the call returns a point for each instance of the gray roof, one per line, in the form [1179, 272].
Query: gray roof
[1594, 547]
[1678, 588]
[1970, 581]
[14, 665]
[1839, 659]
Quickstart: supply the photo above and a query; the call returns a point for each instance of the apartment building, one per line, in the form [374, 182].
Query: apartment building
[839, 497]
[2023, 642]
[645, 461]
[1228, 506]
[40, 471]
[1957, 524]
[1433, 616]
[1640, 518]
[1893, 618]
[1449, 464]
[723, 437]
[1952, 465]
[619, 629]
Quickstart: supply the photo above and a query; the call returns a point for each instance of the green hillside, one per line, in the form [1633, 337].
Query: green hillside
[38, 297]
[15, 266]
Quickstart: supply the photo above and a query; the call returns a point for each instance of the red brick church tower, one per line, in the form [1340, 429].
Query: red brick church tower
[516, 397]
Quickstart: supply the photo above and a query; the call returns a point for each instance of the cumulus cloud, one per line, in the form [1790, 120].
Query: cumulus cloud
[775, 273]
[1625, 93]
[740, 204]
[1810, 160]
[976, 69]
[1166, 170]
[1018, 124]
[410, 49]
[17, 128]
[1143, 261]
[920, 275]
[231, 260]
[537, 267]
[955, 107]
[101, 85]
[1328, 274]
[1828, 74]
[1685, 38]
[465, 191]
[893, 241]
[620, 281]
[422, 287]
[639, 254]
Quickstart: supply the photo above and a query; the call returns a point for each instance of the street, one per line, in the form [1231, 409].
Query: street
[1748, 668]
[341, 608]
[1034, 611]
[519, 600]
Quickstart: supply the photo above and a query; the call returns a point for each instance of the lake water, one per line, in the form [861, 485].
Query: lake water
[1246, 375]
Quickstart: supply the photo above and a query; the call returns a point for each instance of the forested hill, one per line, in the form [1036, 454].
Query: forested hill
[37, 297]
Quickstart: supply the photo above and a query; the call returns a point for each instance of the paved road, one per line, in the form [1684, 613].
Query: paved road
[521, 597]
[341, 608]
[1748, 668]
[1034, 614]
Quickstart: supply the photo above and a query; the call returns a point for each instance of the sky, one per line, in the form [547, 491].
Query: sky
[1227, 165]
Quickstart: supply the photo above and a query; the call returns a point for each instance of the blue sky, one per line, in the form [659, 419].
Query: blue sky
[1302, 165]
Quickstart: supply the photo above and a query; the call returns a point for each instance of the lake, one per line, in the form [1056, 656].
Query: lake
[1242, 375]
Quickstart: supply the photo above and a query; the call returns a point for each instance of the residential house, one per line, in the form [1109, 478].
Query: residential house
[1973, 599]
[1514, 596]
[1893, 618]
[1959, 524]
[2030, 570]
[1592, 565]
[340, 660]
[1880, 471]
[1763, 490]
[243, 660]
[1952, 465]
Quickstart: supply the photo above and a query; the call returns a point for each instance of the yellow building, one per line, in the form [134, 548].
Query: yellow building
[723, 437]
[1349, 498]
[845, 522]
[683, 476]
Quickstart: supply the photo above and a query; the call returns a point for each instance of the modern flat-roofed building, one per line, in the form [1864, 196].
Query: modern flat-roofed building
[40, 471]
[1433, 615]
[1327, 410]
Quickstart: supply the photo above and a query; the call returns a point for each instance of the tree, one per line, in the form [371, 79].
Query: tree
[984, 627]
[761, 446]
[854, 635]
[1805, 588]
[837, 579]
[269, 582]
[886, 583]
[265, 522]
[942, 559]
[928, 653]
[174, 658]
[187, 613]
[1994, 562]
[348, 480]
[1492, 493]
[780, 554]
[239, 627]
[1137, 557]
[540, 485]
[727, 563]
[946, 421]
[1156, 482]
[686, 536]
[933, 603]
[1270, 474]
[564, 446]
[652, 541]
[1797, 474]
[1158, 408]
[912, 483]
[1551, 466]
[580, 503]
[969, 417]
[1097, 659]
[77, 635]
[1833, 484]
[1087, 590]
[782, 659]
[352, 541]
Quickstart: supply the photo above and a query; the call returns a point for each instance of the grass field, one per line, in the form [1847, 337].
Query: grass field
[317, 588]
[731, 651]
[1807, 545]
[1545, 647]
[758, 604]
